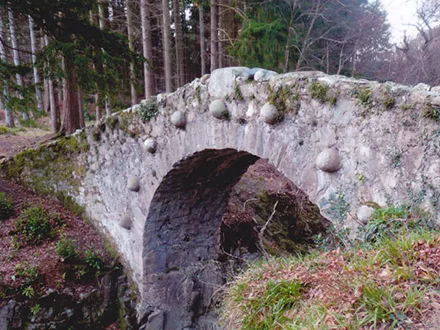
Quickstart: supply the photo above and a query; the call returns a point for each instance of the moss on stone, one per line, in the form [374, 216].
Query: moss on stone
[319, 92]
[284, 99]
[50, 166]
[292, 227]
[69, 203]
[323, 94]
[199, 94]
[237, 92]
[96, 134]
[388, 101]
[113, 122]
[431, 112]
[364, 96]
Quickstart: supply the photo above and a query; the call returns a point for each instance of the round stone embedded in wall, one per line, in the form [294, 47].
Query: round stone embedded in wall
[264, 75]
[218, 109]
[329, 160]
[125, 222]
[150, 145]
[269, 114]
[133, 184]
[364, 213]
[178, 119]
[205, 78]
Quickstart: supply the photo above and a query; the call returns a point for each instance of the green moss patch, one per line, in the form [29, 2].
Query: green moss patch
[286, 99]
[50, 166]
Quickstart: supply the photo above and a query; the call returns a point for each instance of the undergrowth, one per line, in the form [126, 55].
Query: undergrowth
[389, 280]
[8, 130]
[6, 207]
[36, 225]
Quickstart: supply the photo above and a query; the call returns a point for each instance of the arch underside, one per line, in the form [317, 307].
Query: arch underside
[182, 237]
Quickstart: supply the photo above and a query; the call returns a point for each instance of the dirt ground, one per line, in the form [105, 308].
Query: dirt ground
[10, 144]
[50, 264]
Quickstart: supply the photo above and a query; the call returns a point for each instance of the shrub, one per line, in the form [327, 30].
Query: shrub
[66, 248]
[93, 260]
[6, 207]
[29, 122]
[148, 110]
[27, 276]
[34, 225]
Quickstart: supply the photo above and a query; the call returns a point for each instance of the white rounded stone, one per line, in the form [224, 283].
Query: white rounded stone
[178, 119]
[364, 213]
[150, 145]
[422, 87]
[264, 75]
[329, 160]
[125, 222]
[205, 78]
[218, 109]
[223, 81]
[133, 184]
[269, 114]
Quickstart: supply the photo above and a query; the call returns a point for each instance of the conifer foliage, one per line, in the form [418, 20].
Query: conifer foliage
[79, 57]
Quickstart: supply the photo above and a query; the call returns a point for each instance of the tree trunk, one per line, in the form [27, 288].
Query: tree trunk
[82, 121]
[54, 112]
[59, 94]
[46, 104]
[16, 56]
[180, 74]
[202, 39]
[9, 116]
[96, 96]
[131, 46]
[221, 35]
[306, 41]
[147, 48]
[167, 45]
[108, 106]
[71, 120]
[101, 19]
[38, 94]
[214, 35]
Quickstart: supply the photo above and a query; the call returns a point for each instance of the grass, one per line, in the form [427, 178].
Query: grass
[12, 131]
[388, 282]
[364, 96]
[31, 123]
[431, 112]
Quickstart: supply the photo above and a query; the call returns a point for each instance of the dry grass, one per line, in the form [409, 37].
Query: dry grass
[390, 285]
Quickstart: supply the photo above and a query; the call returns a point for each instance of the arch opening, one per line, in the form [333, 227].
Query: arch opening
[190, 234]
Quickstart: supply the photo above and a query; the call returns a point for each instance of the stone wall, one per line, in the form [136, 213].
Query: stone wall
[96, 309]
[158, 188]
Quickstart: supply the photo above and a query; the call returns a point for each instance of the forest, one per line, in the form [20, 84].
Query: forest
[78, 60]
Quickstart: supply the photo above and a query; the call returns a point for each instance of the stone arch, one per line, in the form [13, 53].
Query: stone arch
[182, 238]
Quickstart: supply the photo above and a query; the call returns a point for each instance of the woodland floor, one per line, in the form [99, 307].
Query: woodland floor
[51, 268]
[23, 137]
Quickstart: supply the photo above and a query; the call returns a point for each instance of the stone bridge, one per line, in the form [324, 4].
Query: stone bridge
[156, 178]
